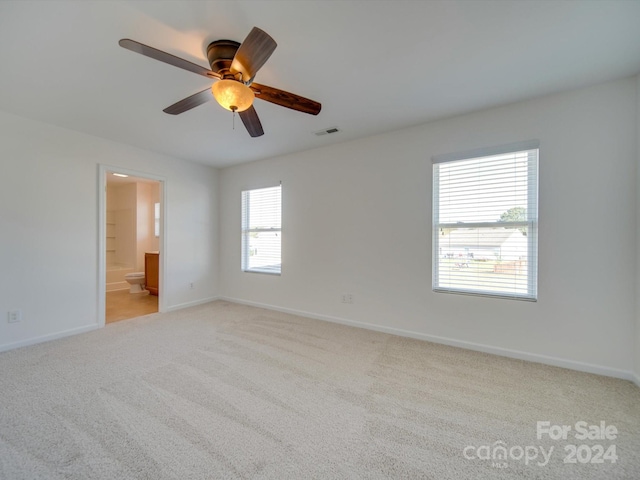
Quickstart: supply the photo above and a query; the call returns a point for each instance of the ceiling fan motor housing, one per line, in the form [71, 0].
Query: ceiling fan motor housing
[220, 55]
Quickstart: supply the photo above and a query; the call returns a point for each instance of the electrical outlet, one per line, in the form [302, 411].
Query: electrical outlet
[15, 316]
[347, 298]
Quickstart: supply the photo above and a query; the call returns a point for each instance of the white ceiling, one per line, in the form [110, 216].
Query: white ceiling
[374, 65]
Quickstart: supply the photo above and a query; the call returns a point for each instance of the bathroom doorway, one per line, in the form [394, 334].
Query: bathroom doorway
[131, 245]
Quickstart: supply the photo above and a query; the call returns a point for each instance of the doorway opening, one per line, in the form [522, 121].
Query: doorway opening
[131, 245]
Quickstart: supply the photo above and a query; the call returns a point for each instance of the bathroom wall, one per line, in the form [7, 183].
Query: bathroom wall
[147, 195]
[121, 222]
[130, 226]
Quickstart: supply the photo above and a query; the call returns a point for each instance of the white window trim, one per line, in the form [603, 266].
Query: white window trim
[244, 250]
[532, 225]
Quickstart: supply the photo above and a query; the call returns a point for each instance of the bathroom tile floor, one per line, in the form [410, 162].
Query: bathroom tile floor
[122, 305]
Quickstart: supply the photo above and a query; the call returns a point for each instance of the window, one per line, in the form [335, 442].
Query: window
[485, 222]
[156, 218]
[261, 230]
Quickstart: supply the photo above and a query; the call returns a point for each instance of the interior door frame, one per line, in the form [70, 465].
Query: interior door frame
[103, 170]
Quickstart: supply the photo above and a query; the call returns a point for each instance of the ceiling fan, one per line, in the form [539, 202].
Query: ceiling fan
[234, 67]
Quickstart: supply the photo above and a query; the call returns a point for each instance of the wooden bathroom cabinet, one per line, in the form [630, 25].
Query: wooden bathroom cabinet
[151, 272]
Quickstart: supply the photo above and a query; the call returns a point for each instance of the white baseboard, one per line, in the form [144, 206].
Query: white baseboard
[46, 338]
[180, 306]
[87, 328]
[503, 352]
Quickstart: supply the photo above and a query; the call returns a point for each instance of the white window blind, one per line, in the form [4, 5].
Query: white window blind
[485, 223]
[262, 230]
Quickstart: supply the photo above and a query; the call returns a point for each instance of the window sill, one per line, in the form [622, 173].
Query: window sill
[264, 272]
[526, 298]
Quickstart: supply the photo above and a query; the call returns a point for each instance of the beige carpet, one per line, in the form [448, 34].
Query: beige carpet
[229, 391]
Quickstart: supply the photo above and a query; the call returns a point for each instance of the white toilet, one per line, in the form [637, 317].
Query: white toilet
[136, 280]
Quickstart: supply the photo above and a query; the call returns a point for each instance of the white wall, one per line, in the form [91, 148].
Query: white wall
[357, 219]
[49, 227]
[637, 335]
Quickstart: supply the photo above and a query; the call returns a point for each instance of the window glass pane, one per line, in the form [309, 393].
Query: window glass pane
[486, 260]
[264, 251]
[156, 216]
[483, 189]
[265, 208]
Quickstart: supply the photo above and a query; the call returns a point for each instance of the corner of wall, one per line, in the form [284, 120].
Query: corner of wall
[637, 324]
[217, 250]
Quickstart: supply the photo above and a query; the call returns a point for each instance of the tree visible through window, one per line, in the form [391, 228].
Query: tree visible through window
[261, 230]
[485, 224]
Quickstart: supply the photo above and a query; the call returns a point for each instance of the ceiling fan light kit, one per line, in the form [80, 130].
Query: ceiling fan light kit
[232, 95]
[235, 66]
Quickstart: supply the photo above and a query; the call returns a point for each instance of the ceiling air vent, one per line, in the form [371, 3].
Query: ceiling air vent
[327, 131]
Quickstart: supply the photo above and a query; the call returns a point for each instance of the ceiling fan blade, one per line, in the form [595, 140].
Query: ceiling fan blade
[189, 102]
[286, 99]
[252, 54]
[252, 122]
[165, 57]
